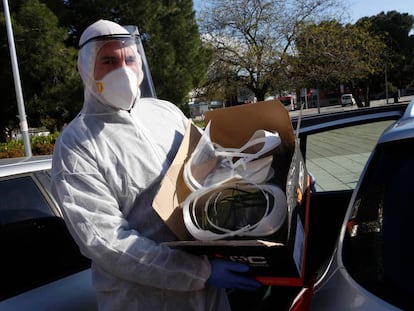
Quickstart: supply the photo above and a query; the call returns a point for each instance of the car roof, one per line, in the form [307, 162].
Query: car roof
[14, 166]
[402, 129]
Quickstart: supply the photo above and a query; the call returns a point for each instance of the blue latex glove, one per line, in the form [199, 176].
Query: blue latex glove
[228, 274]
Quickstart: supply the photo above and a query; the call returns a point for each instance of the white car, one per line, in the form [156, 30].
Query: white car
[347, 99]
[41, 266]
[42, 269]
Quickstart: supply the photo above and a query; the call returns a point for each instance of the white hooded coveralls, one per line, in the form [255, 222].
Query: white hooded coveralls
[107, 168]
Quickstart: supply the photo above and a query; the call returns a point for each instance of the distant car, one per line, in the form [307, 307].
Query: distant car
[371, 266]
[41, 266]
[347, 99]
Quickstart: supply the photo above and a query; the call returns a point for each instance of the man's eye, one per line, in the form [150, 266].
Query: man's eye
[108, 62]
[130, 60]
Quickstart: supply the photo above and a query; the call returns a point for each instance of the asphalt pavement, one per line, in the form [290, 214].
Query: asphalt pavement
[335, 108]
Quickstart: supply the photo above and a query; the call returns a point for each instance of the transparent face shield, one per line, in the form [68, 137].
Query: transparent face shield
[132, 43]
[147, 85]
[234, 209]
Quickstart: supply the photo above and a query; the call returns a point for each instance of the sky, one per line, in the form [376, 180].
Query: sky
[362, 8]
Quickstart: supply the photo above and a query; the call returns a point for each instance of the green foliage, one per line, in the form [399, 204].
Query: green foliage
[40, 145]
[200, 124]
[43, 144]
[252, 40]
[48, 139]
[46, 34]
[329, 53]
[175, 53]
[251, 44]
[395, 29]
[270, 46]
[176, 56]
[49, 80]
[11, 149]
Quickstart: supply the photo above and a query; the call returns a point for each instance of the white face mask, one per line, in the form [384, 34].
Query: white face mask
[119, 88]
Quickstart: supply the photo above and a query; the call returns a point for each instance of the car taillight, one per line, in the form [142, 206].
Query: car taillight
[303, 299]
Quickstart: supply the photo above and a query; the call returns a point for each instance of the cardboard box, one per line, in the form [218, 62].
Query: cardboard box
[275, 260]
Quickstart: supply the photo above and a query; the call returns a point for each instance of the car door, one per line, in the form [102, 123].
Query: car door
[336, 147]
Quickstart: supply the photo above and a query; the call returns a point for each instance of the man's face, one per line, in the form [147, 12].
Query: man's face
[113, 55]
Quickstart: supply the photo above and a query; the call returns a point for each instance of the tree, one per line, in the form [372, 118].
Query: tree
[47, 68]
[223, 84]
[395, 28]
[329, 53]
[47, 34]
[176, 56]
[254, 38]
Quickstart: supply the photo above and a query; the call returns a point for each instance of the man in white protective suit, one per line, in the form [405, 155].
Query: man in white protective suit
[107, 167]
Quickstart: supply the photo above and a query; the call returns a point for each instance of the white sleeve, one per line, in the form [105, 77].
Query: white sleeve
[103, 234]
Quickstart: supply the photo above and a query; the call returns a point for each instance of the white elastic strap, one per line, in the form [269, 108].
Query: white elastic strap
[271, 138]
[270, 222]
[195, 229]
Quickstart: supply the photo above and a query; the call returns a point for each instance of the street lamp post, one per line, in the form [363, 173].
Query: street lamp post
[20, 103]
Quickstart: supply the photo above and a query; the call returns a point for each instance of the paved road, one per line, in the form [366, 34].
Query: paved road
[337, 158]
[335, 108]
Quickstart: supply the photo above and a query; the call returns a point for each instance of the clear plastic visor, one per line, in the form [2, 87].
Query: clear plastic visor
[132, 51]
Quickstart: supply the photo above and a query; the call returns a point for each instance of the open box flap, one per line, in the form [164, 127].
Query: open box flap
[233, 126]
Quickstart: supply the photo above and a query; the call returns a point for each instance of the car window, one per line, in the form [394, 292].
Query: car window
[21, 199]
[35, 241]
[378, 249]
[337, 157]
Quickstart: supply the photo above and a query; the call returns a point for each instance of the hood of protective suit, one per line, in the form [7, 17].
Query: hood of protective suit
[106, 90]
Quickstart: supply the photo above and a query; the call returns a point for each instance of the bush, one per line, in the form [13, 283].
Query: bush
[40, 145]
